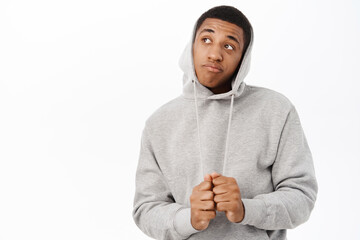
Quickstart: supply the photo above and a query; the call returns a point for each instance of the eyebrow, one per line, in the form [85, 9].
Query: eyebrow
[212, 31]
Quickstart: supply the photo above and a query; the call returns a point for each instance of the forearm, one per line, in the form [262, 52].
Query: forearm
[154, 206]
[156, 219]
[282, 209]
[294, 181]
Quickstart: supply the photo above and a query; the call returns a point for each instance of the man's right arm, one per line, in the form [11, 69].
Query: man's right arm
[154, 206]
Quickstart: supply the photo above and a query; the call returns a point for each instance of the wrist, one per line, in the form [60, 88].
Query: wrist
[242, 212]
[182, 222]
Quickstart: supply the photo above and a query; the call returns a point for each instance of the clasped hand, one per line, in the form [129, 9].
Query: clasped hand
[219, 193]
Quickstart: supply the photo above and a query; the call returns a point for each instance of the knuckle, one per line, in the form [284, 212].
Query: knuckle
[202, 195]
[210, 204]
[209, 195]
[207, 185]
[204, 205]
[212, 194]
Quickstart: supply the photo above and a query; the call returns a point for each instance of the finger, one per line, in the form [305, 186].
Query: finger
[222, 180]
[215, 175]
[207, 195]
[207, 205]
[207, 178]
[225, 197]
[220, 190]
[224, 206]
[204, 186]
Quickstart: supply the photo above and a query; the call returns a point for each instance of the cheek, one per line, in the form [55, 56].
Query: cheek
[196, 63]
[198, 60]
[198, 55]
[195, 56]
[233, 63]
[199, 51]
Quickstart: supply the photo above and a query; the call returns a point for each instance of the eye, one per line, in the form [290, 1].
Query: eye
[204, 40]
[228, 46]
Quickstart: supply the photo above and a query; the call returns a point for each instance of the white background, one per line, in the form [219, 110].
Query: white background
[78, 79]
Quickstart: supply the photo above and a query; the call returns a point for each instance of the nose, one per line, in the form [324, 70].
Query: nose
[215, 53]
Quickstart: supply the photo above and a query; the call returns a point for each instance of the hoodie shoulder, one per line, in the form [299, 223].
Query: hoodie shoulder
[165, 113]
[269, 97]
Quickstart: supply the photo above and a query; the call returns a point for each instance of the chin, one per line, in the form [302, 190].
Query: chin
[209, 86]
[208, 83]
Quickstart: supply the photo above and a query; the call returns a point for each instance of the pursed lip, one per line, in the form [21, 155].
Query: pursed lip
[213, 67]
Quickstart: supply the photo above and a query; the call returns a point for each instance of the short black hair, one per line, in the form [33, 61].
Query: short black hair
[229, 14]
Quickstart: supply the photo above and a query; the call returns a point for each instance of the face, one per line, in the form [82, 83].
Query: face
[217, 51]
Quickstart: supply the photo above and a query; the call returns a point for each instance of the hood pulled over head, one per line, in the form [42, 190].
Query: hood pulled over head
[186, 63]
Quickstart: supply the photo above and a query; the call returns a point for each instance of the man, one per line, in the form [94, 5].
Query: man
[225, 160]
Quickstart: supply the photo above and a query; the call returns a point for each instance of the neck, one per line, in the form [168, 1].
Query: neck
[221, 89]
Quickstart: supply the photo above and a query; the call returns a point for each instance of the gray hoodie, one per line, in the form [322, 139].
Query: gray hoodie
[250, 133]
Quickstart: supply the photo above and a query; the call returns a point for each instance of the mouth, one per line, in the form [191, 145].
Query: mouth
[213, 67]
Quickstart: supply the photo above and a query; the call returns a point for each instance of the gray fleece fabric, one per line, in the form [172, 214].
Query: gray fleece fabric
[250, 133]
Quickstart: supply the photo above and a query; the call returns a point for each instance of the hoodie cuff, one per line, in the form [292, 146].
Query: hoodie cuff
[255, 211]
[182, 223]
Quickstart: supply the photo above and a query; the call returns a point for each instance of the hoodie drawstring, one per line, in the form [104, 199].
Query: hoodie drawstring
[198, 131]
[227, 134]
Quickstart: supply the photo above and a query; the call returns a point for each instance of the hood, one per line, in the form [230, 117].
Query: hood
[186, 64]
[193, 89]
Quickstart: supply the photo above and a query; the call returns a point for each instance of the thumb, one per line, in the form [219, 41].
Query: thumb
[215, 175]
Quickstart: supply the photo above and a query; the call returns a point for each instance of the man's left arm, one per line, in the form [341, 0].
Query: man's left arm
[294, 181]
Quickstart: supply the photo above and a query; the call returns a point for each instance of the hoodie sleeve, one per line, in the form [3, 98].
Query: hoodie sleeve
[154, 208]
[294, 181]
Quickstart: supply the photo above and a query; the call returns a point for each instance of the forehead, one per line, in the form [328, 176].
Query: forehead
[220, 26]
